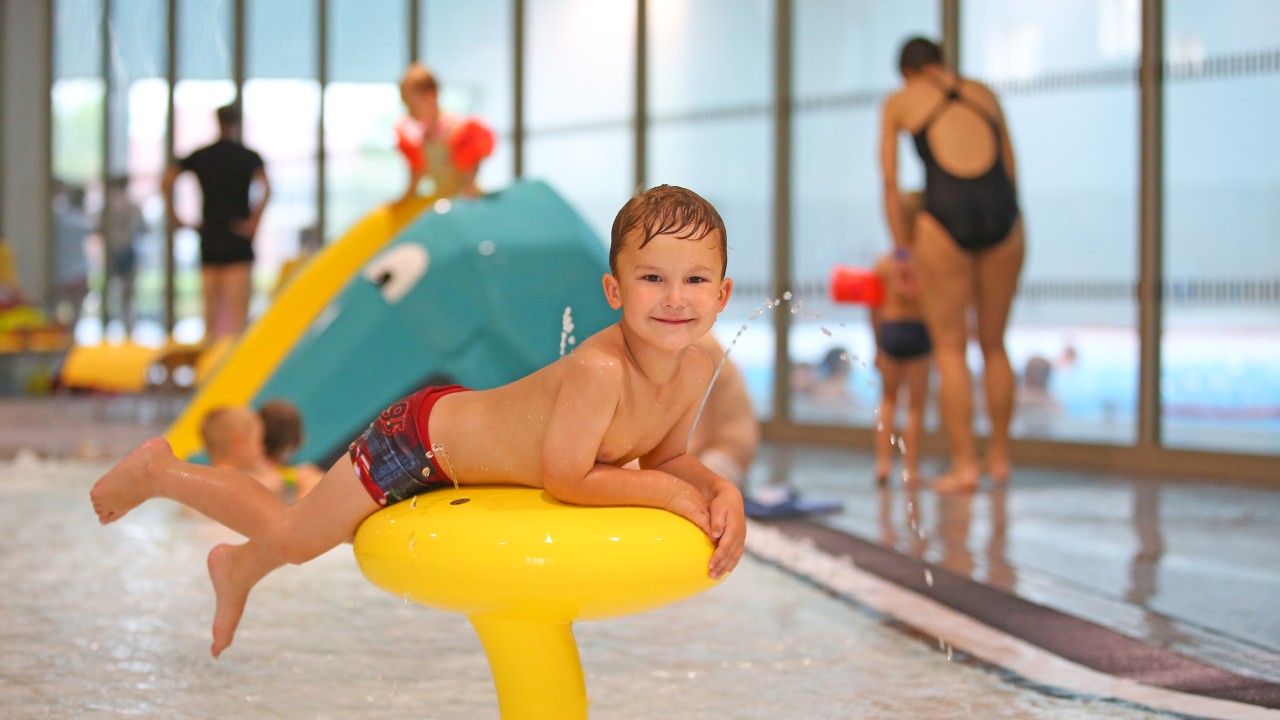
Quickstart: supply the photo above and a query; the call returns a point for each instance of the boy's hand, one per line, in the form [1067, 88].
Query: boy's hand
[728, 531]
[688, 503]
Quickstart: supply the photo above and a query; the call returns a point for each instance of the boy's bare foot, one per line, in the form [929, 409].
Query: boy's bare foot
[999, 469]
[127, 484]
[957, 482]
[231, 591]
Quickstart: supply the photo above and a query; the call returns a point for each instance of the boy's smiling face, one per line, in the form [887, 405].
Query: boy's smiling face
[671, 290]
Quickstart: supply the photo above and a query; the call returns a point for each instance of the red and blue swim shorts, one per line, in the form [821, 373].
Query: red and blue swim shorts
[394, 458]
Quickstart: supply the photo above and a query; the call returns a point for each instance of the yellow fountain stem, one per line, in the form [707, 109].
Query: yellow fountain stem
[523, 567]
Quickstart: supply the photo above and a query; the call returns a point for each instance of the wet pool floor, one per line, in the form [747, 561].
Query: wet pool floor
[113, 622]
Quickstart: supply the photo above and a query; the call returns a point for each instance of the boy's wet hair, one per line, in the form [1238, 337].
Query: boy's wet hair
[667, 210]
[417, 80]
[282, 428]
[918, 53]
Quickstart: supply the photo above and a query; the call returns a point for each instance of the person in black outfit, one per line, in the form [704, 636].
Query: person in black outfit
[968, 242]
[234, 184]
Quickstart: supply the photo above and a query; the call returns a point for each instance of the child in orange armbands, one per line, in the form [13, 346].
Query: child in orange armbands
[439, 146]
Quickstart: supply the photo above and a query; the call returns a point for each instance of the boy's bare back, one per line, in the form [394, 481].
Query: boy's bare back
[618, 415]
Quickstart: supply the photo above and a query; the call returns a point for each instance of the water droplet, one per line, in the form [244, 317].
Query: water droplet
[786, 295]
[413, 504]
[412, 542]
[928, 577]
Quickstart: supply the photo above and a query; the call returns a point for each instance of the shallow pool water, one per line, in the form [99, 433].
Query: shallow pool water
[102, 622]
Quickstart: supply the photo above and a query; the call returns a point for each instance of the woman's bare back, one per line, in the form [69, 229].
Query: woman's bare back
[961, 133]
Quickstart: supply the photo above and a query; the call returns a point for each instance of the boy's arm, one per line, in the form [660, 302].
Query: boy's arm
[728, 527]
[585, 406]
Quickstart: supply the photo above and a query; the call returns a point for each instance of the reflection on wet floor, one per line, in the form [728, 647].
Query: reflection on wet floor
[113, 621]
[1180, 565]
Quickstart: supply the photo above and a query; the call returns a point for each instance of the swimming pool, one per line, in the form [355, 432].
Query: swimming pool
[113, 622]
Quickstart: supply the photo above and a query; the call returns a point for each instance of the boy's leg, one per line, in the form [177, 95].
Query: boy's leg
[890, 381]
[234, 570]
[916, 378]
[327, 516]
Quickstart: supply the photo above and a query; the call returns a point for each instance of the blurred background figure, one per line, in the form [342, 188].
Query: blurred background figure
[72, 229]
[233, 439]
[282, 435]
[122, 228]
[438, 146]
[903, 357]
[233, 181]
[727, 434]
[968, 242]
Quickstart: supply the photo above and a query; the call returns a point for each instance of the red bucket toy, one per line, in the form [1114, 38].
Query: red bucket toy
[856, 285]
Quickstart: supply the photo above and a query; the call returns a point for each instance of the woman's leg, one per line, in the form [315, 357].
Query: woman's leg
[946, 289]
[997, 274]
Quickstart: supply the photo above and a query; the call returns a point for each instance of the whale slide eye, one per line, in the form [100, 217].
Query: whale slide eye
[397, 270]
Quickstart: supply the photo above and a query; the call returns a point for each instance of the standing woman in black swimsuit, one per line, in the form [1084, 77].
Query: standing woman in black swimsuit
[967, 243]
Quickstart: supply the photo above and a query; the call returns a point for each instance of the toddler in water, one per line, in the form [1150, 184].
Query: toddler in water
[281, 438]
[233, 439]
[903, 354]
[629, 392]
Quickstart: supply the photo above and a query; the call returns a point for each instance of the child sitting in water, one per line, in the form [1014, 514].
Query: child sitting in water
[281, 438]
[902, 355]
[630, 391]
[233, 439]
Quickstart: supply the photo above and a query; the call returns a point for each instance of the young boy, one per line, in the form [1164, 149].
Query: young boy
[629, 392]
[902, 355]
[437, 144]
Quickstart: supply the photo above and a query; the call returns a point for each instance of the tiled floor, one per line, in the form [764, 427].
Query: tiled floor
[1190, 566]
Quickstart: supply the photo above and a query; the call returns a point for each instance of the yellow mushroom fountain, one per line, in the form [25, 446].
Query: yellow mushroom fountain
[523, 567]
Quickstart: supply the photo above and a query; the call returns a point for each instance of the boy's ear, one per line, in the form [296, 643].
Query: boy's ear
[726, 289]
[612, 291]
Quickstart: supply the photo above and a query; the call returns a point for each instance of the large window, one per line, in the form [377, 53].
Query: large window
[203, 84]
[281, 123]
[1065, 73]
[469, 47]
[845, 63]
[1220, 380]
[78, 106]
[711, 130]
[368, 53]
[579, 103]
[132, 217]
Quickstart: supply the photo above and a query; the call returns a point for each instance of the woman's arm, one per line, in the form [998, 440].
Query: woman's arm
[889, 175]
